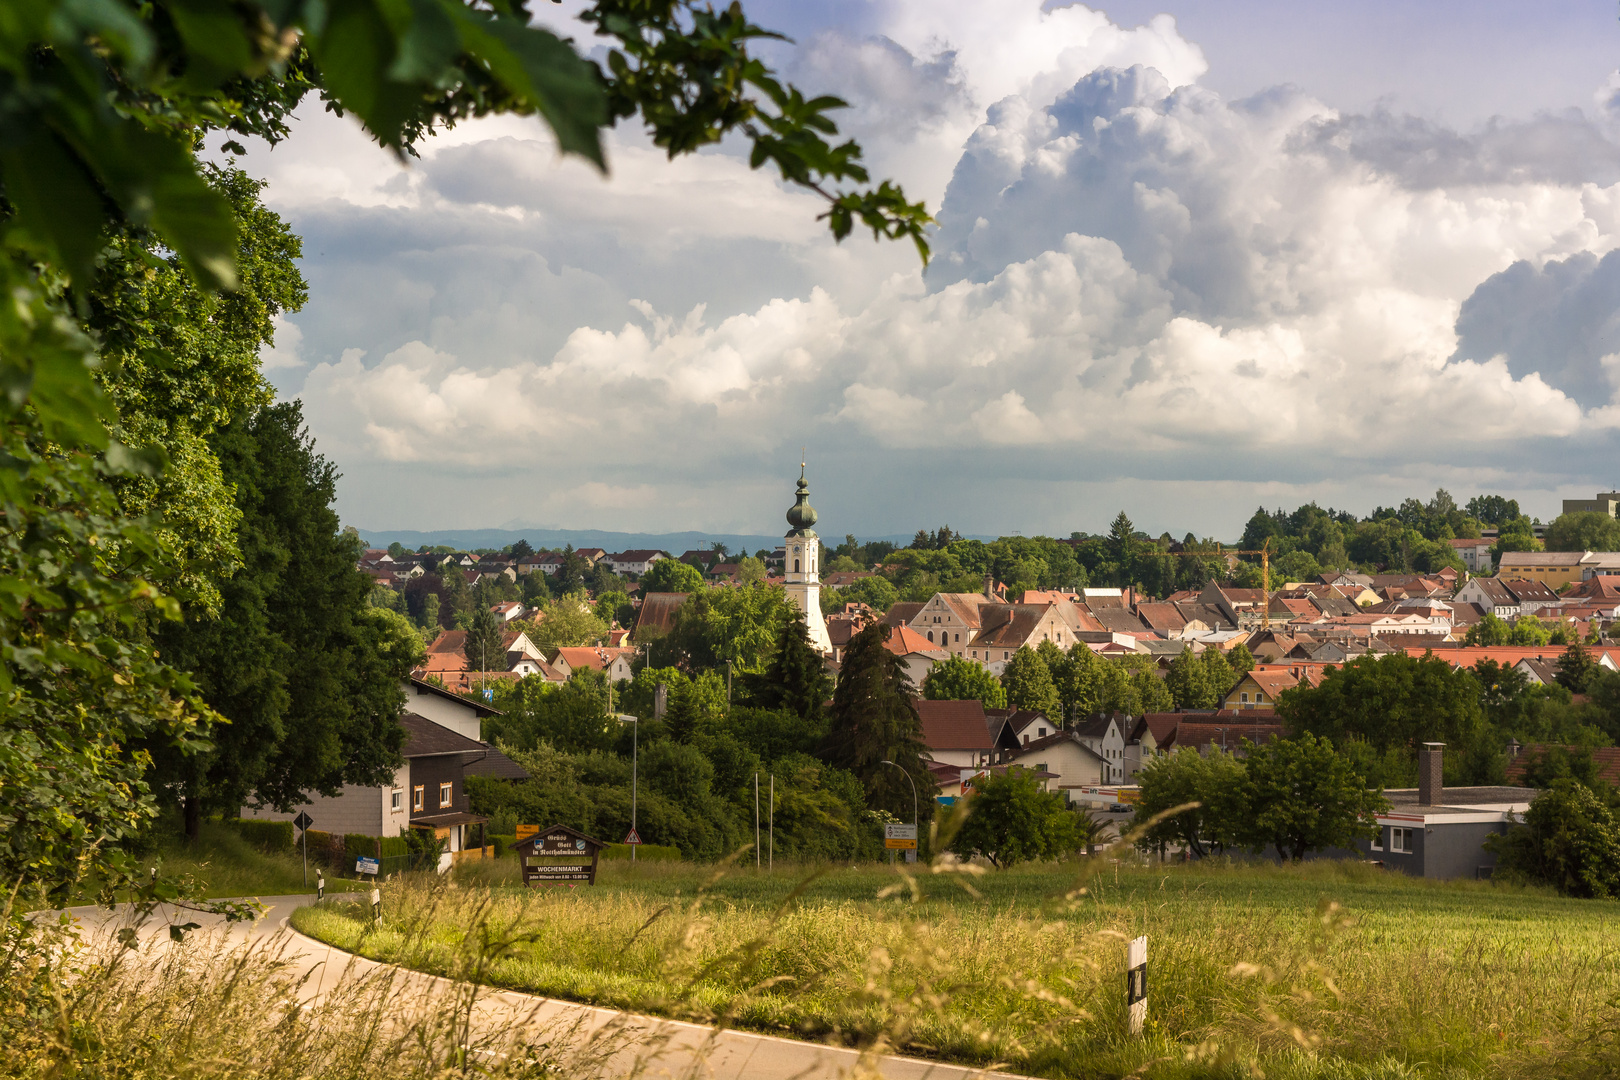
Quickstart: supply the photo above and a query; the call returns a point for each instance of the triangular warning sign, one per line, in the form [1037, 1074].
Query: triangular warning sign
[632, 838]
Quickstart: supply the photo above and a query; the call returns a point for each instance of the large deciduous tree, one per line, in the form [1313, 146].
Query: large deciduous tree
[1181, 777]
[295, 659]
[1583, 530]
[1011, 820]
[1029, 684]
[957, 678]
[1298, 796]
[1392, 700]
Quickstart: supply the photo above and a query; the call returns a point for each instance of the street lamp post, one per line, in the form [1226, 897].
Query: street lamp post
[907, 775]
[635, 740]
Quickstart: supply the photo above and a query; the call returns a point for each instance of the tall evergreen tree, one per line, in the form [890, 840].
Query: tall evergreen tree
[482, 646]
[1122, 546]
[571, 575]
[681, 711]
[874, 720]
[796, 679]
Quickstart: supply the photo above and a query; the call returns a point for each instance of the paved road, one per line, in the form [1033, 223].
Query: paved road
[639, 1045]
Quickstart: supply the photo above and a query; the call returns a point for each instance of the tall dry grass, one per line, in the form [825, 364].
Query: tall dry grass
[1324, 971]
[216, 1005]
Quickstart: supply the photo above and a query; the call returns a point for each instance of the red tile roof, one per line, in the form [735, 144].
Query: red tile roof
[954, 725]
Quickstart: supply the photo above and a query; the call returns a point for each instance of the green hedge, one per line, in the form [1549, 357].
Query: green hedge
[502, 844]
[648, 853]
[395, 846]
[269, 836]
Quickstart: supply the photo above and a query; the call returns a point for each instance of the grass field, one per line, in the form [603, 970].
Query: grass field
[223, 864]
[1321, 970]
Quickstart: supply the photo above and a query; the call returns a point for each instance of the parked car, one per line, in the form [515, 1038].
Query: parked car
[1121, 808]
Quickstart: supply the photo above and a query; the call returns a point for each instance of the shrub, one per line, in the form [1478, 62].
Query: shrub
[648, 853]
[271, 836]
[502, 844]
[1568, 840]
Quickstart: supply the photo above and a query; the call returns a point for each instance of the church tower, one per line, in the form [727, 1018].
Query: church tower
[803, 576]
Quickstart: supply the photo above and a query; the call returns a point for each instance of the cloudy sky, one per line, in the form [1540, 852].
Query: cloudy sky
[1191, 257]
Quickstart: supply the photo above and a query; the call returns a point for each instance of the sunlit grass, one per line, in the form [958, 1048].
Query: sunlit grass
[1293, 970]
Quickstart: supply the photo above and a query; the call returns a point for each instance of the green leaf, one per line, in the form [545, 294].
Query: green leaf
[355, 51]
[216, 47]
[428, 46]
[545, 72]
[56, 201]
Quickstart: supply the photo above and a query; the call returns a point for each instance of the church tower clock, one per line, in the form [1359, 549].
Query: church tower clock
[802, 573]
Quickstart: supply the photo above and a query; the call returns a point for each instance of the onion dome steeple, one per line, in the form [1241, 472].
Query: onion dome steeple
[802, 515]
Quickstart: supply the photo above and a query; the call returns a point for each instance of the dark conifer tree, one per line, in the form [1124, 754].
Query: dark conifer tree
[874, 719]
[796, 679]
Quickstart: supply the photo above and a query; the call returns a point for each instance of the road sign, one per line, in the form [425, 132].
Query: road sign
[302, 821]
[632, 838]
[364, 865]
[526, 831]
[1136, 983]
[555, 856]
[899, 837]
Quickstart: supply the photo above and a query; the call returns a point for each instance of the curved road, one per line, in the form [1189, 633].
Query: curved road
[644, 1045]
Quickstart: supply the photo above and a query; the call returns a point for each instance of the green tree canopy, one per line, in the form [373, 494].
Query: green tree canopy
[957, 678]
[1298, 796]
[1029, 684]
[796, 679]
[295, 658]
[1583, 530]
[482, 646]
[1391, 700]
[1569, 840]
[1011, 820]
[1181, 777]
[671, 575]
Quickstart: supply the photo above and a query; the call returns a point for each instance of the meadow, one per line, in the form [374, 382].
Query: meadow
[1318, 970]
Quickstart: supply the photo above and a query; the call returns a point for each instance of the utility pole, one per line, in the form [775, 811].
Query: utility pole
[756, 821]
[771, 863]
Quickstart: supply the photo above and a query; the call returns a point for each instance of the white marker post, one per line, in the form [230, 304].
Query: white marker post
[320, 885]
[1136, 983]
[376, 905]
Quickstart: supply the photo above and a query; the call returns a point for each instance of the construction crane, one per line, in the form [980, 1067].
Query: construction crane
[1264, 552]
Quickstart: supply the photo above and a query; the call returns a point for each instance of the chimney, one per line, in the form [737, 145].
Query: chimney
[989, 586]
[1431, 785]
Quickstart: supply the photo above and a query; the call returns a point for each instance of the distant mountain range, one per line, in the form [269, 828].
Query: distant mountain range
[674, 543]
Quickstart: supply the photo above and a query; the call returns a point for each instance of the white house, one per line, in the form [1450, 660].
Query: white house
[508, 610]
[634, 562]
[1103, 736]
[1073, 761]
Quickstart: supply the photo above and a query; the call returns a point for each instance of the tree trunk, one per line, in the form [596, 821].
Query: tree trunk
[191, 806]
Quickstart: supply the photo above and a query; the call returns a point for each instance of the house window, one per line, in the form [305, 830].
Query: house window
[958, 637]
[1244, 697]
[1259, 699]
[1400, 840]
[1006, 655]
[930, 637]
[444, 794]
[419, 797]
[1378, 841]
[396, 800]
[1041, 733]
